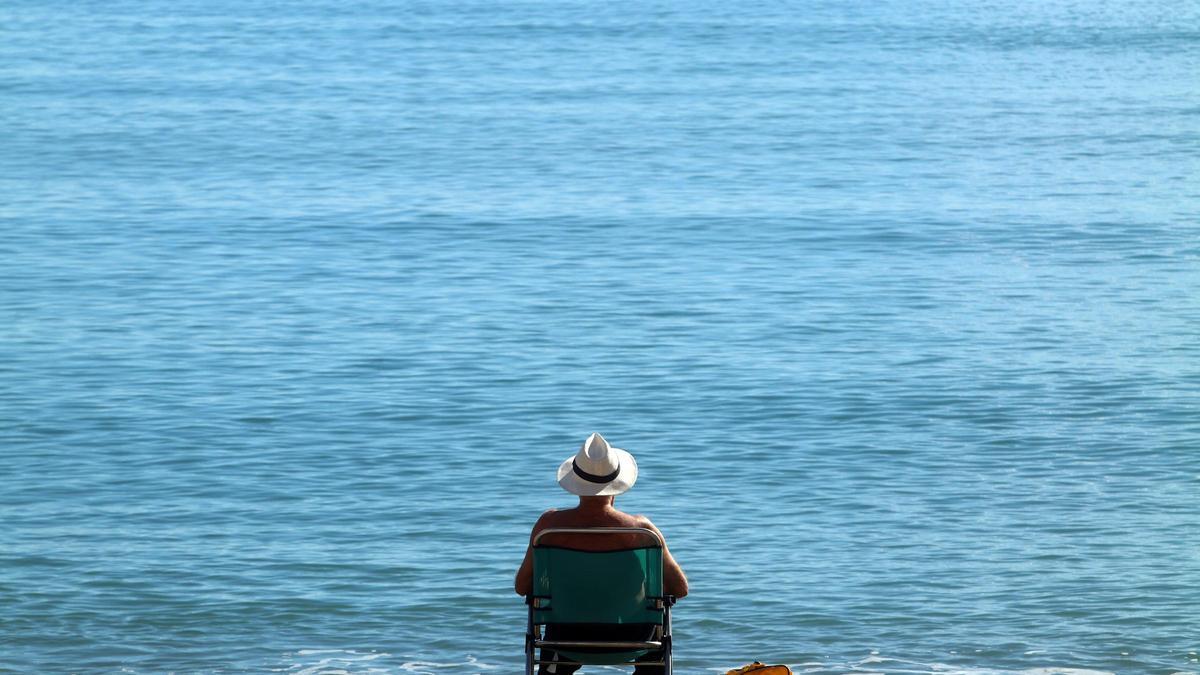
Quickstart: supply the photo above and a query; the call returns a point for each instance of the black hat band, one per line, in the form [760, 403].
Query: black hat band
[593, 478]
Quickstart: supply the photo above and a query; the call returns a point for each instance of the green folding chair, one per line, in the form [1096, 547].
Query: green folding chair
[597, 590]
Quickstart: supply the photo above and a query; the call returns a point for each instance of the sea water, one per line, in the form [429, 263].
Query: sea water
[896, 303]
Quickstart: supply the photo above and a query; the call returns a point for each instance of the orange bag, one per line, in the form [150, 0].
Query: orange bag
[758, 668]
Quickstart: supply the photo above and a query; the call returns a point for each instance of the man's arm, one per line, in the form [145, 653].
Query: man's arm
[524, 580]
[674, 581]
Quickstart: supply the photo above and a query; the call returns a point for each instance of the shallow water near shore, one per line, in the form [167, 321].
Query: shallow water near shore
[895, 303]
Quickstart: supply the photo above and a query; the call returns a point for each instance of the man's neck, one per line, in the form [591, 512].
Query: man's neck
[596, 504]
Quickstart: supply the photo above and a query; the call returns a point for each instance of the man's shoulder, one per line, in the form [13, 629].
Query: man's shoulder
[644, 521]
[550, 517]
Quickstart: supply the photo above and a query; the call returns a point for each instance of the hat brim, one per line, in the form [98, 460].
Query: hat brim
[572, 483]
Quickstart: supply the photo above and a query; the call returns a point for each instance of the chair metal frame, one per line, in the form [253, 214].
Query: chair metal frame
[532, 632]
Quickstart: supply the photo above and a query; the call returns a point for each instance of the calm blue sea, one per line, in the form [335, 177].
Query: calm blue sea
[896, 303]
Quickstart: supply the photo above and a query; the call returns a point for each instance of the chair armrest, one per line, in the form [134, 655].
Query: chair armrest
[662, 602]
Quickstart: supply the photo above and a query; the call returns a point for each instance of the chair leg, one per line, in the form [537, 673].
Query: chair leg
[668, 657]
[529, 644]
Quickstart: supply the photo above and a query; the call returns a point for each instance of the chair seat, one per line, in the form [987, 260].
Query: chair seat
[598, 646]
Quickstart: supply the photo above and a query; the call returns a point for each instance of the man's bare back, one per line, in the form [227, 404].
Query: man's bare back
[598, 512]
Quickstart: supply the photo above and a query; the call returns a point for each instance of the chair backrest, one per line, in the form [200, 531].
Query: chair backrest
[598, 587]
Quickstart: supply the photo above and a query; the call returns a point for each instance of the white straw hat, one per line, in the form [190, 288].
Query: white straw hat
[598, 470]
